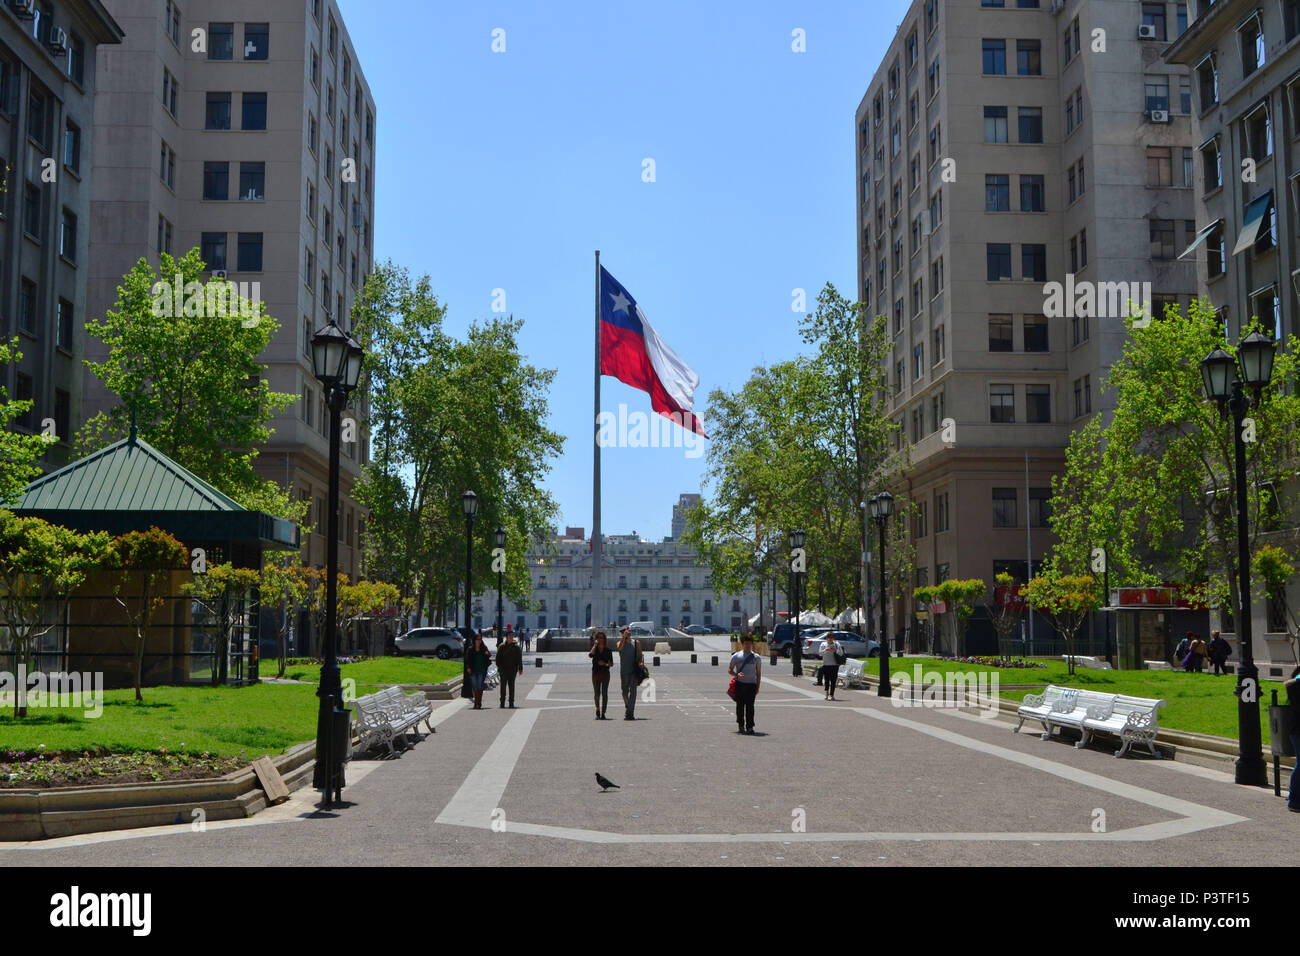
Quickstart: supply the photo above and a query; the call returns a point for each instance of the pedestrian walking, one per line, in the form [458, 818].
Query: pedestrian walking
[477, 661]
[1198, 652]
[527, 639]
[747, 668]
[1219, 651]
[1183, 649]
[1292, 686]
[832, 658]
[630, 660]
[602, 660]
[510, 664]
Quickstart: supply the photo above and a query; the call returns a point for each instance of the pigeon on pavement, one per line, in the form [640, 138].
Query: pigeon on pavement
[605, 784]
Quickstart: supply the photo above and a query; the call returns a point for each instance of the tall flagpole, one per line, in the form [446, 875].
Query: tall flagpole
[597, 618]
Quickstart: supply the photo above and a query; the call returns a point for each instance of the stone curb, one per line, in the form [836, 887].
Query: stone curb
[35, 814]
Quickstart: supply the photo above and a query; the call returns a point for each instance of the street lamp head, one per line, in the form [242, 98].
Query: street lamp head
[1219, 373]
[469, 504]
[352, 370]
[1256, 357]
[882, 505]
[797, 539]
[329, 354]
[500, 537]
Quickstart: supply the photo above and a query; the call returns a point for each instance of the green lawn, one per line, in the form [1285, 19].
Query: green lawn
[226, 721]
[1201, 703]
[381, 671]
[256, 720]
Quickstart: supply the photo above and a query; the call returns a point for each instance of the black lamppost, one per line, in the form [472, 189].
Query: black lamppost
[469, 505]
[881, 506]
[1219, 371]
[500, 538]
[797, 539]
[336, 363]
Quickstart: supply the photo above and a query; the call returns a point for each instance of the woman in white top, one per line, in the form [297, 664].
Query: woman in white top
[831, 651]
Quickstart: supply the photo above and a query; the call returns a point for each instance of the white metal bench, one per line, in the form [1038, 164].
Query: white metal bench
[389, 714]
[1039, 706]
[1132, 719]
[853, 673]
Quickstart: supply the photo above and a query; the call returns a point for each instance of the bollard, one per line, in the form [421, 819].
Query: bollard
[693, 661]
[656, 660]
[539, 662]
[774, 658]
[715, 660]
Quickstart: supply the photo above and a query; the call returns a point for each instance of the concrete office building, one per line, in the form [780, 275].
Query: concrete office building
[1245, 62]
[1001, 146]
[684, 504]
[48, 58]
[245, 128]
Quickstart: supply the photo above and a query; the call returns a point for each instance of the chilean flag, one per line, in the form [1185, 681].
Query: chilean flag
[632, 352]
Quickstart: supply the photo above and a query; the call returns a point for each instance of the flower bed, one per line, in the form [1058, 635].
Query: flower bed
[42, 768]
[1015, 662]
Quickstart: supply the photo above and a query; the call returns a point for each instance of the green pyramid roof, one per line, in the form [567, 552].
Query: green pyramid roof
[130, 485]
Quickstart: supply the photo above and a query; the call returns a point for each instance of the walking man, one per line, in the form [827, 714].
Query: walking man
[1219, 651]
[630, 658]
[747, 668]
[510, 664]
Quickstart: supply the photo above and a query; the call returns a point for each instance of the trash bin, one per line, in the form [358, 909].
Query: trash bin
[1281, 724]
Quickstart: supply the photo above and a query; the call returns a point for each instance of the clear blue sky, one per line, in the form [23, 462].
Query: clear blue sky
[508, 170]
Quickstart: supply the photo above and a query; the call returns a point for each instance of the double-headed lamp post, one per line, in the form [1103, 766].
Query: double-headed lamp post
[469, 505]
[881, 506]
[797, 540]
[1219, 371]
[336, 363]
[499, 538]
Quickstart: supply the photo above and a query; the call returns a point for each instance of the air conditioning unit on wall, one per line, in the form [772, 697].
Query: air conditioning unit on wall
[1160, 116]
[1146, 31]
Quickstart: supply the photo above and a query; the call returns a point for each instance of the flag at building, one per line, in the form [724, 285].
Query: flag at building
[632, 352]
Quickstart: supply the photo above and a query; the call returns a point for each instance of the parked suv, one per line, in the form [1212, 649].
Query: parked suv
[441, 642]
[783, 634]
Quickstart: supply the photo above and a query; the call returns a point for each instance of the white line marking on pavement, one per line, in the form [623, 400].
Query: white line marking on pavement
[483, 788]
[542, 689]
[486, 784]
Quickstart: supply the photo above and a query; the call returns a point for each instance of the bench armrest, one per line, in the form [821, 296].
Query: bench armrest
[1032, 700]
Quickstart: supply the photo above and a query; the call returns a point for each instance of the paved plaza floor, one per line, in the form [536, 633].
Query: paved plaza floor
[856, 781]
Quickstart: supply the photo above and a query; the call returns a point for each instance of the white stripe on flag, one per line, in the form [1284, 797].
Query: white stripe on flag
[678, 379]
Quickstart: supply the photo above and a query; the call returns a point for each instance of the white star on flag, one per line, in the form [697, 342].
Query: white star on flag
[621, 302]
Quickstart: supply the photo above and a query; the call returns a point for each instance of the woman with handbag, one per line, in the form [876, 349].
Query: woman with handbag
[602, 660]
[630, 663]
[832, 658]
[477, 661]
[746, 671]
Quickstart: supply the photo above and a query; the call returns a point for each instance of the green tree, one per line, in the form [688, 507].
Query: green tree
[283, 587]
[1067, 600]
[801, 445]
[20, 454]
[448, 415]
[41, 564]
[187, 372]
[1154, 486]
[1002, 611]
[145, 561]
[225, 592]
[1273, 570]
[958, 597]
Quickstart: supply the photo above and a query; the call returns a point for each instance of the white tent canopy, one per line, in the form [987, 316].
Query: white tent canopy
[851, 616]
[815, 618]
